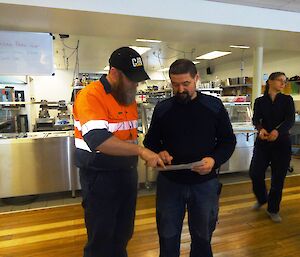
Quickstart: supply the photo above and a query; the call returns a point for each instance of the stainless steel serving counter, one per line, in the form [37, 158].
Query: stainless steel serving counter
[41, 162]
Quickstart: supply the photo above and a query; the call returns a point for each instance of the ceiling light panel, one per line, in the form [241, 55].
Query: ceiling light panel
[240, 46]
[141, 50]
[148, 40]
[212, 55]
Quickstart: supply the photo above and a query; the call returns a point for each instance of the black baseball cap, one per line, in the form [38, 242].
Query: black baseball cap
[130, 63]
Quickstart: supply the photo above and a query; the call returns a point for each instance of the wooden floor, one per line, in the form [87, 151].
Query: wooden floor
[60, 232]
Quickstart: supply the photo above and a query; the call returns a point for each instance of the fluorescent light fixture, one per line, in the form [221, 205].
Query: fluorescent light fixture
[147, 40]
[195, 62]
[213, 55]
[163, 69]
[240, 47]
[141, 50]
[106, 67]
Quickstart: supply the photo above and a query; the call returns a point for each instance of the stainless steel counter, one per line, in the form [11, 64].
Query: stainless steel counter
[240, 160]
[39, 163]
[43, 162]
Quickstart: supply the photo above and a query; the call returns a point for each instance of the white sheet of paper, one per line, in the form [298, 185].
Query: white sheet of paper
[186, 166]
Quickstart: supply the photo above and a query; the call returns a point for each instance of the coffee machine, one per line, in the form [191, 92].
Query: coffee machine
[47, 123]
[63, 117]
[44, 122]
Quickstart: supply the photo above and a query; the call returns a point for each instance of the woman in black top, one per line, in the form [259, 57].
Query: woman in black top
[274, 115]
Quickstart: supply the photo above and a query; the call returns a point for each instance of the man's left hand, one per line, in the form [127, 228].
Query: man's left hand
[205, 166]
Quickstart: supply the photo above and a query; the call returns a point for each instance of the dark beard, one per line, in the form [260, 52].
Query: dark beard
[123, 96]
[183, 98]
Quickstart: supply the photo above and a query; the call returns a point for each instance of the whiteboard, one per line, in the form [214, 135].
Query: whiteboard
[26, 53]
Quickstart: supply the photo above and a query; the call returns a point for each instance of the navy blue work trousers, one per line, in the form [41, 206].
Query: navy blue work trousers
[109, 201]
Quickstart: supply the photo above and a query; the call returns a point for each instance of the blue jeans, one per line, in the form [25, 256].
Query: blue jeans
[109, 200]
[202, 203]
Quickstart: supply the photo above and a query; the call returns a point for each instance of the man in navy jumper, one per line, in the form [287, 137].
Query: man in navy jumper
[185, 128]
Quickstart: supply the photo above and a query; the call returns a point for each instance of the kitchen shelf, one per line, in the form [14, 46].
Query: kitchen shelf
[236, 103]
[238, 85]
[210, 89]
[12, 80]
[14, 103]
[21, 103]
[154, 92]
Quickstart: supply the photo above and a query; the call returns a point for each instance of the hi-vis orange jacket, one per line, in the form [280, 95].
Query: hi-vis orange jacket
[98, 116]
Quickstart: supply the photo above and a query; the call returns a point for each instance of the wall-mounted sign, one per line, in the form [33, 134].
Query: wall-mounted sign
[26, 53]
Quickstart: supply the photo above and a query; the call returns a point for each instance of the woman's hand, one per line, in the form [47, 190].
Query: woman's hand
[273, 135]
[263, 134]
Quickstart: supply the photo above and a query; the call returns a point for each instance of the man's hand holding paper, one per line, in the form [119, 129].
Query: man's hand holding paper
[202, 167]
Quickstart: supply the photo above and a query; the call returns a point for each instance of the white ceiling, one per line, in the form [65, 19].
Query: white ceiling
[99, 34]
[284, 5]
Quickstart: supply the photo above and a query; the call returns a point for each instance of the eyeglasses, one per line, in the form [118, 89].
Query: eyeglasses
[285, 82]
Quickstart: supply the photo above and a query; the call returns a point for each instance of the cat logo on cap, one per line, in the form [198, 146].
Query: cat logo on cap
[137, 62]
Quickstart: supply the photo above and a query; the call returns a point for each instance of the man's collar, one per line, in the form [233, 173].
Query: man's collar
[105, 83]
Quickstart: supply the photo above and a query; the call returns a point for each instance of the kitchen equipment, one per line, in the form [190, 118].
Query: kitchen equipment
[44, 122]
